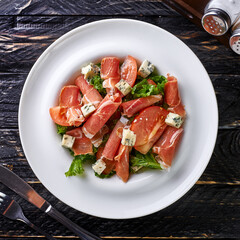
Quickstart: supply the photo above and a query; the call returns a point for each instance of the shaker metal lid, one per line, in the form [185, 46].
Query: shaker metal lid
[216, 22]
[234, 41]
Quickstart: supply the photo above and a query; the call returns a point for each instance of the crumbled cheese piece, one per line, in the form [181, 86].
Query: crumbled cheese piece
[87, 109]
[145, 69]
[128, 137]
[136, 168]
[67, 141]
[99, 166]
[174, 120]
[123, 87]
[90, 70]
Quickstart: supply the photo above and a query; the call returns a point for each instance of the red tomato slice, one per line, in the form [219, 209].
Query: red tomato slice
[129, 70]
[110, 67]
[57, 115]
[147, 124]
[70, 96]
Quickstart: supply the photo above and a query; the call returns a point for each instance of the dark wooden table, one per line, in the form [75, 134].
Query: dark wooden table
[211, 209]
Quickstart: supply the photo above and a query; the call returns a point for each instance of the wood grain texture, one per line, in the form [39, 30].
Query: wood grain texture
[84, 7]
[25, 42]
[204, 211]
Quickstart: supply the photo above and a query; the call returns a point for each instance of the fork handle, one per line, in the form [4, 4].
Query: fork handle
[82, 233]
[25, 220]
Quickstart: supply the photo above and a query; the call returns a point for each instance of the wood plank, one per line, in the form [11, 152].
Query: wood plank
[84, 7]
[226, 87]
[22, 44]
[223, 168]
[206, 211]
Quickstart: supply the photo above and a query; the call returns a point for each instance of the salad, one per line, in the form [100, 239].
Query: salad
[120, 117]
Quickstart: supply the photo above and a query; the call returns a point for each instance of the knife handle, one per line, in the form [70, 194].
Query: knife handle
[82, 233]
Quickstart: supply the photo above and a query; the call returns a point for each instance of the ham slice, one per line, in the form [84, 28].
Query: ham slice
[92, 97]
[82, 145]
[122, 162]
[98, 138]
[114, 140]
[172, 97]
[110, 165]
[74, 116]
[109, 84]
[147, 146]
[148, 126]
[134, 106]
[104, 111]
[110, 67]
[166, 146]
[70, 96]
[90, 94]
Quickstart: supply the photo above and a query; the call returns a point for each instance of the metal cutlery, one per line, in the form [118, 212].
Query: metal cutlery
[23, 189]
[12, 210]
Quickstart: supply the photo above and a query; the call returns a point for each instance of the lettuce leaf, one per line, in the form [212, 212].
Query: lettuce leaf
[105, 175]
[96, 81]
[76, 167]
[141, 160]
[144, 89]
[61, 129]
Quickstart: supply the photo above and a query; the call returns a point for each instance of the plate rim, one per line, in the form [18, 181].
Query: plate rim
[188, 185]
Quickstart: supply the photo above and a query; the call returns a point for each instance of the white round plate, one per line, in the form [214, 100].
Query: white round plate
[146, 192]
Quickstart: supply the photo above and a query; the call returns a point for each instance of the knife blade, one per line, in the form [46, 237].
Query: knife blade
[23, 189]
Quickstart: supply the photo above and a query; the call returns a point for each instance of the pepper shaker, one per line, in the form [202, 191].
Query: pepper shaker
[220, 15]
[234, 40]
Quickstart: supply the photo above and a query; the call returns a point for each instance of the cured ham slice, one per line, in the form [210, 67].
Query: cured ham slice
[122, 162]
[110, 67]
[69, 96]
[74, 116]
[98, 138]
[104, 111]
[134, 106]
[148, 126]
[172, 96]
[147, 146]
[91, 95]
[114, 140]
[129, 70]
[110, 165]
[109, 84]
[83, 84]
[82, 145]
[166, 146]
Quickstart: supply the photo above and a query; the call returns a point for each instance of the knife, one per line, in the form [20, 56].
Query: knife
[23, 189]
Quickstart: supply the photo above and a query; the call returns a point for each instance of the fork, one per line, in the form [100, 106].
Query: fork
[12, 210]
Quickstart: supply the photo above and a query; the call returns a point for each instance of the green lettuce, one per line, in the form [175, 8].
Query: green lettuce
[96, 81]
[141, 160]
[76, 167]
[105, 175]
[144, 89]
[61, 129]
